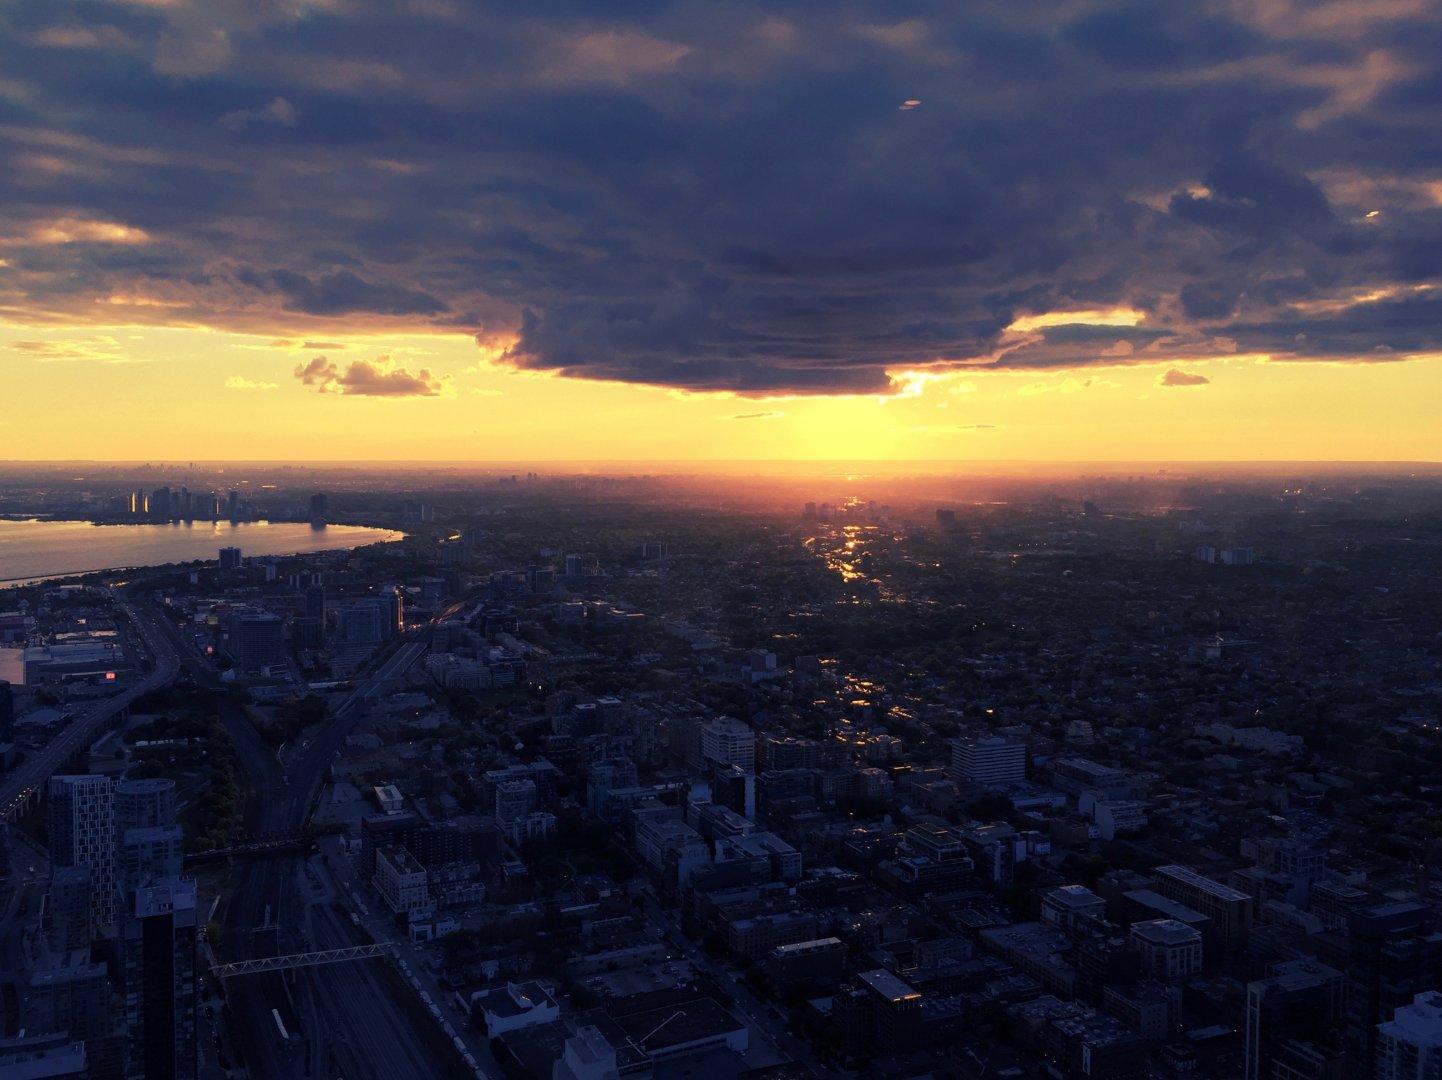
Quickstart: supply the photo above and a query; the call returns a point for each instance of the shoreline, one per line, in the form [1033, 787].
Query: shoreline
[26, 580]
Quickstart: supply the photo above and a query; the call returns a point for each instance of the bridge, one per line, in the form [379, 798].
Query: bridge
[300, 960]
[267, 844]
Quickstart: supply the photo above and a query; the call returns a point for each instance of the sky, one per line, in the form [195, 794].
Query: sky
[653, 230]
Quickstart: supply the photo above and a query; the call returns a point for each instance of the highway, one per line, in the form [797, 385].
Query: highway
[346, 1013]
[24, 783]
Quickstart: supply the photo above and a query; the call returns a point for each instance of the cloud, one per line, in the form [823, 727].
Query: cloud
[364, 378]
[758, 416]
[1175, 377]
[319, 372]
[737, 199]
[240, 382]
[98, 349]
[951, 429]
[279, 112]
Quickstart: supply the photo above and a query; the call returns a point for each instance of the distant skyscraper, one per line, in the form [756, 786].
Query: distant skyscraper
[81, 817]
[157, 975]
[232, 506]
[230, 558]
[160, 504]
[318, 509]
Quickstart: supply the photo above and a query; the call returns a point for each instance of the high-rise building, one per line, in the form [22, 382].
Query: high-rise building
[144, 804]
[315, 602]
[1409, 1046]
[232, 506]
[230, 558]
[7, 712]
[147, 854]
[727, 741]
[67, 999]
[257, 640]
[156, 948]
[397, 601]
[1392, 954]
[1297, 1007]
[367, 621]
[68, 919]
[318, 509]
[160, 504]
[990, 762]
[81, 818]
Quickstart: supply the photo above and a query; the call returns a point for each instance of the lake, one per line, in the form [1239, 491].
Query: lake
[36, 550]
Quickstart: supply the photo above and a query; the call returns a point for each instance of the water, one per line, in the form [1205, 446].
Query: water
[36, 550]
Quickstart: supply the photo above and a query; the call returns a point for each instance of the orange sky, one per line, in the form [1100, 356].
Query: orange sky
[131, 392]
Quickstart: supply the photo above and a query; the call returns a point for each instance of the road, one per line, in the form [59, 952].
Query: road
[24, 783]
[753, 1010]
[267, 917]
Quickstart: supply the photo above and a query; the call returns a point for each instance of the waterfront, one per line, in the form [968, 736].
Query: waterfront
[33, 550]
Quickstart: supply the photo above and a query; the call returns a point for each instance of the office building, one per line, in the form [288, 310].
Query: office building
[726, 741]
[1229, 909]
[1300, 1003]
[1070, 906]
[1170, 950]
[362, 623]
[994, 761]
[319, 512]
[156, 953]
[1409, 1046]
[81, 819]
[230, 557]
[7, 713]
[257, 640]
[1392, 954]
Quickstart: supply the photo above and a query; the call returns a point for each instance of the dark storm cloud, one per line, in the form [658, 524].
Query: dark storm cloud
[731, 197]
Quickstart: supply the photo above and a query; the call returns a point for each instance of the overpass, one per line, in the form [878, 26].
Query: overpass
[21, 789]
